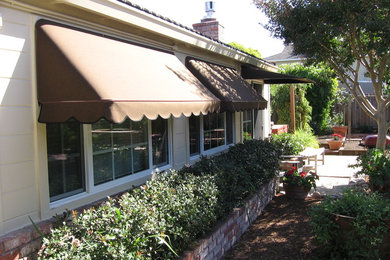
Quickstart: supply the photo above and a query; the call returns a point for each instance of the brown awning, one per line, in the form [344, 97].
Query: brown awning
[86, 76]
[251, 72]
[225, 83]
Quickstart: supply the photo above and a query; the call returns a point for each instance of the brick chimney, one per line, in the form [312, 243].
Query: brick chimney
[209, 25]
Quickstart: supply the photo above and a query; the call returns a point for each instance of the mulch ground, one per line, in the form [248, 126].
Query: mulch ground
[282, 231]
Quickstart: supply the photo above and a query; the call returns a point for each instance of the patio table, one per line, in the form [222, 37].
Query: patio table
[313, 155]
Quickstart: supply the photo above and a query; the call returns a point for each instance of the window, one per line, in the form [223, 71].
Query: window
[65, 160]
[194, 123]
[210, 131]
[119, 149]
[116, 150]
[213, 131]
[160, 142]
[247, 124]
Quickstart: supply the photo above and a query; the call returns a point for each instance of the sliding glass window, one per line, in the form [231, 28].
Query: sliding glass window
[119, 149]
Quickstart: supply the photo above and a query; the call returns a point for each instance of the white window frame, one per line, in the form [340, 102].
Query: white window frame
[214, 150]
[253, 124]
[91, 192]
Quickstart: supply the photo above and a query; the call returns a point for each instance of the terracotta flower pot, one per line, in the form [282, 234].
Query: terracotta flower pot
[341, 130]
[334, 144]
[346, 226]
[295, 192]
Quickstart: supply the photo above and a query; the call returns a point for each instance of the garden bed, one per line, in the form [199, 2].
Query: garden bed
[281, 232]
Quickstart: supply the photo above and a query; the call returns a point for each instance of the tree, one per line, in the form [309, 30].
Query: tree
[320, 94]
[250, 51]
[349, 35]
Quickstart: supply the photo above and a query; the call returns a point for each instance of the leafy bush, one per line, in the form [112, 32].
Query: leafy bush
[287, 143]
[375, 163]
[307, 138]
[239, 172]
[363, 238]
[161, 218]
[293, 144]
[140, 224]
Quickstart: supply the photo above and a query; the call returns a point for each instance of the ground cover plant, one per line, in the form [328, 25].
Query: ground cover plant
[160, 219]
[361, 235]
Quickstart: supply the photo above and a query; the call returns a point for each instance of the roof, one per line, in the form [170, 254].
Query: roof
[286, 55]
[129, 3]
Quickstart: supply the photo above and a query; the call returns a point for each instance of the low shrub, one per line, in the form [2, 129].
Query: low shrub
[362, 239]
[294, 143]
[239, 172]
[163, 217]
[168, 211]
[375, 163]
[306, 138]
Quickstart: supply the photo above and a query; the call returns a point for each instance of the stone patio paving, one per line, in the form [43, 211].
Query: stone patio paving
[335, 174]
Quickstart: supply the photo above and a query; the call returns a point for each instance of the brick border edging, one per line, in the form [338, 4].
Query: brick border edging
[226, 234]
[24, 243]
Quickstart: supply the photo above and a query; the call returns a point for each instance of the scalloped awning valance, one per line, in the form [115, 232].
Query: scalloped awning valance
[86, 76]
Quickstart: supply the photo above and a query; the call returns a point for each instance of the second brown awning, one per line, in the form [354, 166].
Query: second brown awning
[86, 76]
[225, 83]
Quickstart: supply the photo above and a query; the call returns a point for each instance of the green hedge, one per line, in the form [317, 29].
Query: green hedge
[163, 217]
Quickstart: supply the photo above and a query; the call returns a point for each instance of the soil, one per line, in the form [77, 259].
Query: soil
[282, 231]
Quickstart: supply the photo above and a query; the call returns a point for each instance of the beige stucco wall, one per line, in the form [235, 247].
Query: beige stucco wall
[18, 189]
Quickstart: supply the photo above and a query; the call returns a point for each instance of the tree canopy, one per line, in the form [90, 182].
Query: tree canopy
[351, 36]
[241, 47]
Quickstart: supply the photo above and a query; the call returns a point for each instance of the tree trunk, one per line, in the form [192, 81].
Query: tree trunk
[382, 127]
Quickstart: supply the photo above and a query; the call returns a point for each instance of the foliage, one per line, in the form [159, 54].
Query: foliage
[163, 217]
[375, 163]
[281, 105]
[363, 239]
[295, 178]
[239, 172]
[250, 51]
[307, 138]
[350, 36]
[320, 94]
[293, 144]
[337, 137]
[140, 224]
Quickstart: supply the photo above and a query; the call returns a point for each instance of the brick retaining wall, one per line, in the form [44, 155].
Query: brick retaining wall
[226, 234]
[24, 243]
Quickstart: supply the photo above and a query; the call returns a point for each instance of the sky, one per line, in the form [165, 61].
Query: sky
[240, 18]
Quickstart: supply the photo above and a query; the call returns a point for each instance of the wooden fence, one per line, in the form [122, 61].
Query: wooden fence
[360, 121]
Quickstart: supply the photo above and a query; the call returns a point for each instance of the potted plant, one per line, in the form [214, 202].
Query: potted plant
[298, 184]
[354, 225]
[336, 142]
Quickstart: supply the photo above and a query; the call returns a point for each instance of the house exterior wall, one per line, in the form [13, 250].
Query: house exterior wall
[18, 190]
[24, 188]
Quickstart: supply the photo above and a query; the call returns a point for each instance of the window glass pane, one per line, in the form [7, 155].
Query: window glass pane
[65, 163]
[160, 141]
[229, 127]
[247, 124]
[213, 130]
[194, 122]
[119, 149]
